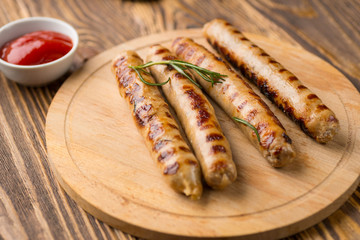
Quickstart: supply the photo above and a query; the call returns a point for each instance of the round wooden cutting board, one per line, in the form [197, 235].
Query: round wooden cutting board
[101, 160]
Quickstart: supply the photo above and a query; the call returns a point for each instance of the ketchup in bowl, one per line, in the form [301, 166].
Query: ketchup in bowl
[36, 48]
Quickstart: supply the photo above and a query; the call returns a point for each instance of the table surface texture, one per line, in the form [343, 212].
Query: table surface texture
[32, 203]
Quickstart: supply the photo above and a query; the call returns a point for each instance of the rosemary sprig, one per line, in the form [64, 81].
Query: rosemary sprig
[181, 67]
[143, 80]
[249, 125]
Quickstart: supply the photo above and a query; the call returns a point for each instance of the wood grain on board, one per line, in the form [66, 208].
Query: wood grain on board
[101, 160]
[33, 205]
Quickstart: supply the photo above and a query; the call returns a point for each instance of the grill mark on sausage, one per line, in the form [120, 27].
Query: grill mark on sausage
[155, 130]
[261, 127]
[185, 149]
[208, 40]
[203, 116]
[142, 115]
[251, 115]
[136, 99]
[233, 96]
[292, 78]
[159, 51]
[180, 48]
[187, 87]
[126, 79]
[253, 46]
[168, 114]
[312, 96]
[289, 110]
[266, 90]
[171, 169]
[268, 139]
[224, 88]
[119, 62]
[244, 39]
[139, 120]
[219, 59]
[160, 144]
[189, 53]
[219, 165]
[273, 61]
[122, 70]
[169, 68]
[242, 105]
[302, 125]
[218, 149]
[213, 137]
[264, 54]
[236, 31]
[282, 70]
[198, 103]
[322, 107]
[178, 75]
[165, 155]
[132, 90]
[200, 60]
[301, 87]
[270, 113]
[253, 94]
[208, 126]
[287, 138]
[178, 137]
[168, 57]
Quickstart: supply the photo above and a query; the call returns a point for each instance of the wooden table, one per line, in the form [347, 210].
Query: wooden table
[34, 206]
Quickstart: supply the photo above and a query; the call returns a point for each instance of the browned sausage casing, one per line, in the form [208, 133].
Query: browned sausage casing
[155, 123]
[197, 116]
[278, 84]
[237, 98]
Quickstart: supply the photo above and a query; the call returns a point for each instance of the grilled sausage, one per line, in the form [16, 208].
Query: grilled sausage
[159, 129]
[197, 116]
[237, 98]
[278, 84]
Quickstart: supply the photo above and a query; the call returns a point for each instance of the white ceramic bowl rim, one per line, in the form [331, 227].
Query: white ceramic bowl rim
[74, 47]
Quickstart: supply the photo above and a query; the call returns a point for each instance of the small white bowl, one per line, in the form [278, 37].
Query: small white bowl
[36, 75]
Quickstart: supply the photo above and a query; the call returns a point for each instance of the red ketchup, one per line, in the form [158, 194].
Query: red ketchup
[36, 48]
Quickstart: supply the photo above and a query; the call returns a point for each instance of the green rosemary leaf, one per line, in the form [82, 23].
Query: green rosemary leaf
[182, 72]
[148, 83]
[144, 71]
[249, 125]
[181, 67]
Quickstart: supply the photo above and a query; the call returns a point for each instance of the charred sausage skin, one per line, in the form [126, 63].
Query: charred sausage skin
[197, 116]
[158, 127]
[274, 81]
[237, 99]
